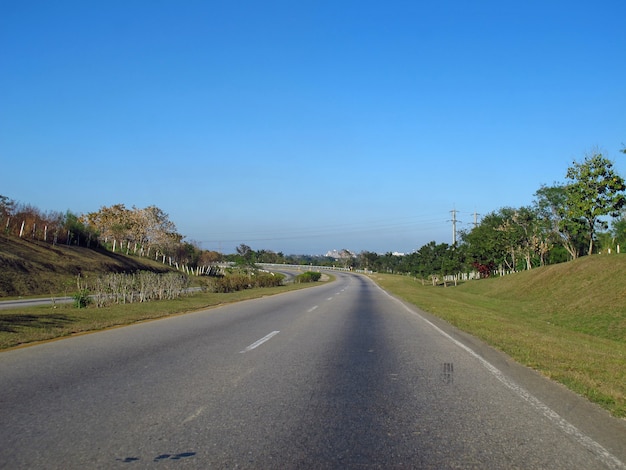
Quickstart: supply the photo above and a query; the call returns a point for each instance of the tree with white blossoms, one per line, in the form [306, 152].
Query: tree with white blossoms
[156, 229]
[148, 228]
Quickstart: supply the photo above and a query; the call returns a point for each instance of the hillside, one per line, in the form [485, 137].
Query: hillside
[587, 295]
[35, 268]
[567, 321]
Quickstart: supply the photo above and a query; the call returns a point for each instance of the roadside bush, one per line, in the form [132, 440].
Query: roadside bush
[231, 283]
[268, 280]
[309, 276]
[239, 281]
[81, 298]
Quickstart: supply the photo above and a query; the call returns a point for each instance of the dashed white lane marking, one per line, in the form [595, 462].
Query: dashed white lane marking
[603, 455]
[311, 309]
[329, 298]
[194, 415]
[258, 343]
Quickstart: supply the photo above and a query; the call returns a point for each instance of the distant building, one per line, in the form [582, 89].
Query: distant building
[340, 254]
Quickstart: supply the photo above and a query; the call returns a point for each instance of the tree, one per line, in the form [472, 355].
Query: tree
[111, 222]
[530, 241]
[7, 206]
[368, 260]
[449, 262]
[594, 191]
[210, 257]
[490, 243]
[426, 262]
[78, 232]
[269, 256]
[245, 255]
[389, 262]
[619, 230]
[347, 258]
[155, 229]
[149, 228]
[551, 204]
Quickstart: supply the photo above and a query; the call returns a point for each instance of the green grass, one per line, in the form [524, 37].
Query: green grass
[27, 325]
[567, 321]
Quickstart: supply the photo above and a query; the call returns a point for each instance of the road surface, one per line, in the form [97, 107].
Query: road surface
[37, 302]
[18, 303]
[336, 376]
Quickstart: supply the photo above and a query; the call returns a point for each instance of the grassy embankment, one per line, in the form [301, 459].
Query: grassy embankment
[31, 268]
[567, 321]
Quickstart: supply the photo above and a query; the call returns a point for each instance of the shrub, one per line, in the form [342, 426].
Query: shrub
[309, 276]
[268, 280]
[231, 283]
[239, 281]
[81, 298]
[143, 286]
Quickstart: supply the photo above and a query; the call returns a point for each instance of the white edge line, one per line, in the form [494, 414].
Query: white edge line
[258, 343]
[604, 455]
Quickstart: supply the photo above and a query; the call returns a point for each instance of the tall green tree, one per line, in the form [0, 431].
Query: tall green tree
[530, 239]
[245, 255]
[551, 205]
[389, 262]
[493, 241]
[368, 260]
[450, 261]
[594, 190]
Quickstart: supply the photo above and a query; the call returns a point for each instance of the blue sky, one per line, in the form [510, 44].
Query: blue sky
[306, 126]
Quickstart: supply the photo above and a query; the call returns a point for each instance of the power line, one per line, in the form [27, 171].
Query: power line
[476, 219]
[454, 221]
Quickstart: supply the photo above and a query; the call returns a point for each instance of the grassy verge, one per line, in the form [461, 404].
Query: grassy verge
[545, 320]
[32, 324]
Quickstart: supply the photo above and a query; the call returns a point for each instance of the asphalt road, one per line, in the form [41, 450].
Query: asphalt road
[336, 376]
[8, 304]
[30, 302]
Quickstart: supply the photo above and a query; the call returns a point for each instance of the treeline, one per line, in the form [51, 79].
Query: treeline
[565, 221]
[146, 232]
[28, 222]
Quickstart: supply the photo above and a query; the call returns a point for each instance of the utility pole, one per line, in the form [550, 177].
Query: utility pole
[453, 212]
[476, 219]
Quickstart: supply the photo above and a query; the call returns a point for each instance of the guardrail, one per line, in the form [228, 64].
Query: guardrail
[310, 267]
